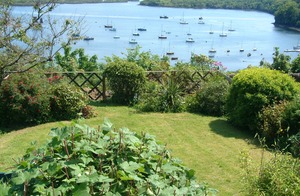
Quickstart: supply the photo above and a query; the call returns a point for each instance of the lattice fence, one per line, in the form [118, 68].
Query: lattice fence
[95, 84]
[92, 83]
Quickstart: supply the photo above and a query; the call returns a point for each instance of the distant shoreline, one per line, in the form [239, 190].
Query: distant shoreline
[287, 27]
[72, 2]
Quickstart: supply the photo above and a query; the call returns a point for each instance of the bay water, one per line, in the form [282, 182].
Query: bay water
[252, 37]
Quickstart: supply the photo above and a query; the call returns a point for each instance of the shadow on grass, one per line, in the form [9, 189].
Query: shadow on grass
[103, 103]
[10, 128]
[222, 127]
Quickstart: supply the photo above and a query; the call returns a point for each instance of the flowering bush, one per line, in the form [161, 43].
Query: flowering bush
[217, 66]
[30, 98]
[205, 63]
[24, 99]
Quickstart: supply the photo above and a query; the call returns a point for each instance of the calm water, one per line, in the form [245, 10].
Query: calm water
[252, 30]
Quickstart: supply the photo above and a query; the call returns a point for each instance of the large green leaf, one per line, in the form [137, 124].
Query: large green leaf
[106, 126]
[81, 190]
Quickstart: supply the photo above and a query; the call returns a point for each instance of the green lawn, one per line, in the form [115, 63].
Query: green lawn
[208, 145]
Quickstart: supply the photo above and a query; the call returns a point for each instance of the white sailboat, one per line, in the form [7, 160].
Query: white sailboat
[169, 52]
[182, 21]
[211, 32]
[223, 34]
[242, 49]
[212, 50]
[190, 40]
[133, 41]
[162, 36]
[230, 28]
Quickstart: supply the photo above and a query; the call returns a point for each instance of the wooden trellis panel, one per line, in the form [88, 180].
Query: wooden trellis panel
[92, 83]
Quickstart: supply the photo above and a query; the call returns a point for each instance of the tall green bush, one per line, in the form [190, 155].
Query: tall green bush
[255, 88]
[66, 101]
[80, 160]
[291, 115]
[126, 80]
[278, 176]
[211, 98]
[272, 125]
[24, 99]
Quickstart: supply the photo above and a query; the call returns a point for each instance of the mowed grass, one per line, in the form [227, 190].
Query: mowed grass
[209, 145]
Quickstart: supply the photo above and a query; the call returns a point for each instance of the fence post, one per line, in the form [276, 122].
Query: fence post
[104, 87]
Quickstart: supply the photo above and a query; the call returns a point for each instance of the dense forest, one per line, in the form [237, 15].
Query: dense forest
[286, 12]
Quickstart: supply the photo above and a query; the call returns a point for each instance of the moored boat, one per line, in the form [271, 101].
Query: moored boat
[162, 37]
[88, 38]
[133, 41]
[142, 29]
[190, 40]
[164, 17]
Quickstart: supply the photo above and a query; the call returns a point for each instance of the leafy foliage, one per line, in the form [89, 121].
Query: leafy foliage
[295, 65]
[126, 80]
[278, 176]
[67, 101]
[291, 115]
[80, 160]
[24, 99]
[23, 42]
[76, 60]
[31, 98]
[146, 60]
[211, 98]
[167, 97]
[271, 122]
[255, 88]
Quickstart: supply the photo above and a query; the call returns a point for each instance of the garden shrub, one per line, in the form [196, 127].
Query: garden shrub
[271, 122]
[167, 97]
[32, 98]
[24, 99]
[294, 148]
[126, 80]
[291, 115]
[253, 89]
[278, 176]
[67, 102]
[211, 98]
[81, 160]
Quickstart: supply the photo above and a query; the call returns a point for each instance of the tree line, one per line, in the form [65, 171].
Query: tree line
[286, 12]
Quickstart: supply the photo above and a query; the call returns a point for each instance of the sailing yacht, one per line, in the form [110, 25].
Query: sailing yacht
[223, 34]
[190, 40]
[242, 49]
[211, 32]
[169, 52]
[230, 28]
[162, 36]
[212, 50]
[182, 21]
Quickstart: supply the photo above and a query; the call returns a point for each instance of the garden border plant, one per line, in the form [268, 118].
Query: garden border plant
[80, 160]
